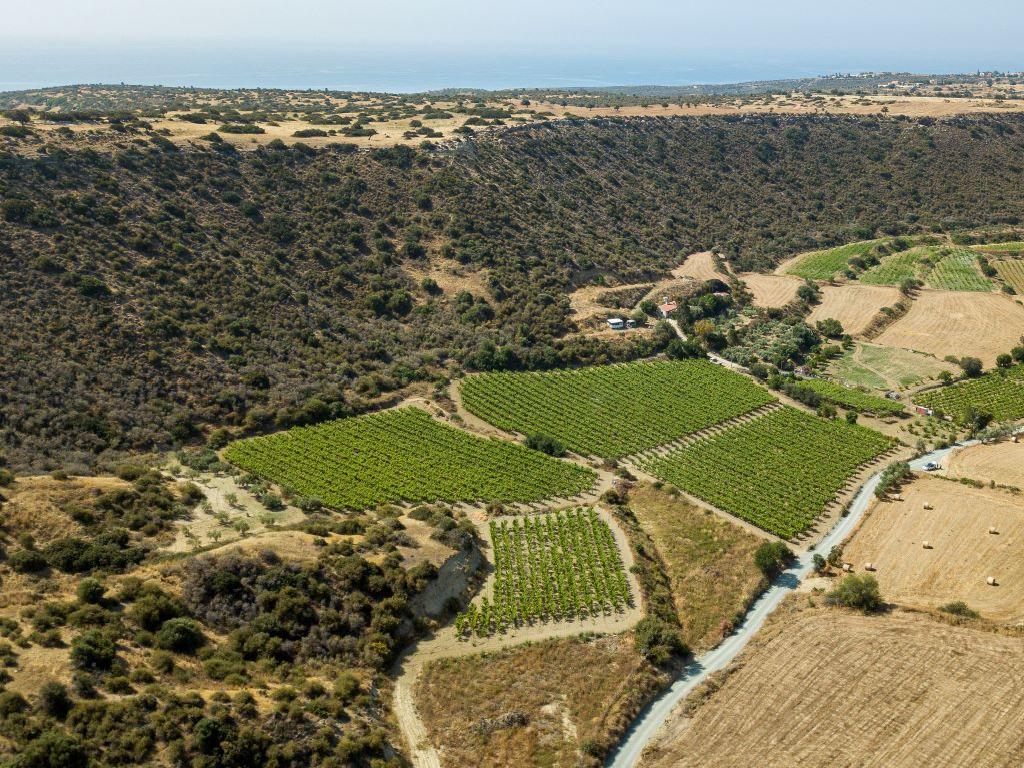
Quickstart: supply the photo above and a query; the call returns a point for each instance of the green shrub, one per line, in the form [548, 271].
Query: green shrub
[959, 608]
[658, 641]
[90, 590]
[54, 699]
[26, 561]
[181, 635]
[860, 592]
[53, 749]
[545, 444]
[92, 650]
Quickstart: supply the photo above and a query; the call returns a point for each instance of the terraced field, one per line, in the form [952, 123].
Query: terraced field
[958, 271]
[404, 455]
[1000, 393]
[1016, 246]
[778, 472]
[853, 398]
[894, 269]
[1012, 271]
[615, 410]
[824, 265]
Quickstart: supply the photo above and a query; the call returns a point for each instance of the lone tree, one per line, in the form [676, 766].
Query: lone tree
[860, 592]
[772, 557]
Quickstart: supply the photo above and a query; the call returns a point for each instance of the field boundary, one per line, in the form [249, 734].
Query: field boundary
[666, 448]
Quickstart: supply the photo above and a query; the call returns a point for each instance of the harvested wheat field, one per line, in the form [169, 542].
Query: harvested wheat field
[771, 290]
[699, 266]
[855, 306]
[963, 553]
[1002, 463]
[826, 687]
[958, 323]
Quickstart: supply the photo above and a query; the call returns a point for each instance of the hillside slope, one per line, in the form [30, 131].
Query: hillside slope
[151, 291]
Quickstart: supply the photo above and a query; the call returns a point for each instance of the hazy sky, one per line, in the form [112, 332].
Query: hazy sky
[321, 43]
[649, 25]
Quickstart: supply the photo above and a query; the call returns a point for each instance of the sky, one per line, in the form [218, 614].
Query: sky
[714, 39]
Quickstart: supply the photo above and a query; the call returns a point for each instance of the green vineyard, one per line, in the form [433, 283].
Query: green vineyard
[853, 398]
[1012, 271]
[823, 265]
[404, 455]
[958, 271]
[1000, 393]
[615, 410]
[778, 471]
[894, 269]
[554, 567]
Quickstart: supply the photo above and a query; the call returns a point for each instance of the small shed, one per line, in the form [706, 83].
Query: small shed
[616, 323]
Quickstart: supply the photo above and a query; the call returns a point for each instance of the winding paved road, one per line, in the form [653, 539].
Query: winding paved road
[640, 733]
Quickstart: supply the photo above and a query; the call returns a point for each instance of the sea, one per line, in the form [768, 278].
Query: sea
[26, 66]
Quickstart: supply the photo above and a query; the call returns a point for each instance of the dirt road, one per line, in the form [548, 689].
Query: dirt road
[654, 716]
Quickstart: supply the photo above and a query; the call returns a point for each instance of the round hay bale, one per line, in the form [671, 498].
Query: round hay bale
[869, 566]
[926, 544]
[992, 529]
[991, 581]
[848, 567]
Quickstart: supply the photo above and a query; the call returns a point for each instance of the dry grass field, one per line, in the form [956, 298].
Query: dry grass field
[535, 705]
[1002, 463]
[963, 553]
[771, 290]
[958, 323]
[825, 687]
[853, 305]
[709, 562]
[874, 366]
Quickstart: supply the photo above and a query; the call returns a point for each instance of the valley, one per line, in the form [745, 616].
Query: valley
[534, 428]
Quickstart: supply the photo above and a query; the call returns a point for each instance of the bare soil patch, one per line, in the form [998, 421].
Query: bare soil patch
[1001, 463]
[944, 323]
[771, 290]
[824, 687]
[962, 554]
[709, 562]
[855, 306]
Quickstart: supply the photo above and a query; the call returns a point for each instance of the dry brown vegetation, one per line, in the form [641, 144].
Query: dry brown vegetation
[543, 704]
[962, 554]
[942, 323]
[824, 687]
[855, 306]
[709, 562]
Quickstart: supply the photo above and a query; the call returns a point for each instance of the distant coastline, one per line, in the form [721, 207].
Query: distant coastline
[28, 66]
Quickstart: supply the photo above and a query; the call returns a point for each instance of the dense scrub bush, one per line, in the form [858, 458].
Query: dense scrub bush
[139, 299]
